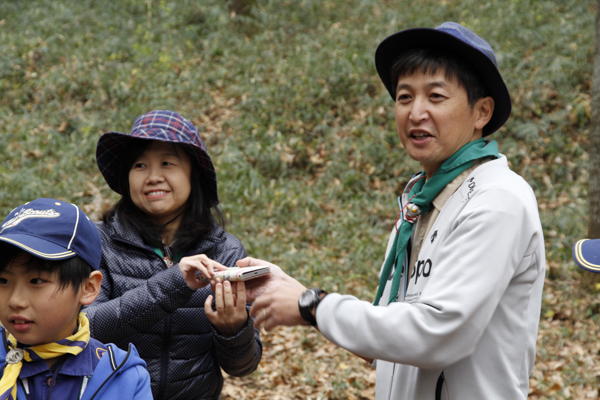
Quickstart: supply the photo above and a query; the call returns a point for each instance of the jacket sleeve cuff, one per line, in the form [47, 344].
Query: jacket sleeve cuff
[243, 337]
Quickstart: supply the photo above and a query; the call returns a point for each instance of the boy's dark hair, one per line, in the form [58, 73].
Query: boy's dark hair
[72, 271]
[198, 219]
[428, 61]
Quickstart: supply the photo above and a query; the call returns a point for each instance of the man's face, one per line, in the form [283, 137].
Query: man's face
[434, 118]
[33, 307]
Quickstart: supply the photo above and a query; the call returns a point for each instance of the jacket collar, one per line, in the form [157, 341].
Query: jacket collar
[122, 231]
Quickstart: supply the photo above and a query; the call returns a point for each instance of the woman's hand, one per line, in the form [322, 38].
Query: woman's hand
[231, 315]
[201, 264]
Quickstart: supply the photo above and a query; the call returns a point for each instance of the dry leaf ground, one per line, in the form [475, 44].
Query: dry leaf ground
[299, 363]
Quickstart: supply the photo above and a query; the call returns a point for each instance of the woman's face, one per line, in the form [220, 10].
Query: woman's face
[159, 181]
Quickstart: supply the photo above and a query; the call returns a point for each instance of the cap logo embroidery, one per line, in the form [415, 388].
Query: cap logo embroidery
[26, 214]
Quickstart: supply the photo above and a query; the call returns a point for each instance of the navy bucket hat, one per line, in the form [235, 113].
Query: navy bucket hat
[53, 230]
[456, 39]
[161, 125]
[586, 254]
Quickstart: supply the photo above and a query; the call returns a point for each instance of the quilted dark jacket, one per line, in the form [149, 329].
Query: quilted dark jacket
[145, 303]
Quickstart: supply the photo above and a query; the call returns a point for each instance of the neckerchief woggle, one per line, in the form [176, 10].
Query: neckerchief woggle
[73, 344]
[421, 195]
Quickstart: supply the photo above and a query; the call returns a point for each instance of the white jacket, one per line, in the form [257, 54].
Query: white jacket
[472, 306]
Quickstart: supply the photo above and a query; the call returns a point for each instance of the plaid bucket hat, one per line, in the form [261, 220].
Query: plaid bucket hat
[161, 125]
[456, 39]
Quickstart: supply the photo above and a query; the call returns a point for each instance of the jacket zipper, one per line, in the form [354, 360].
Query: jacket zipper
[26, 393]
[439, 385]
[164, 357]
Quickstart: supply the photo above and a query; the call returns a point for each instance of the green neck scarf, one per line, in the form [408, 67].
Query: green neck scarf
[421, 195]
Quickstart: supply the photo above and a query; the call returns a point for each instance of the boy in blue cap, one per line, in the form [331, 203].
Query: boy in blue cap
[49, 270]
[586, 253]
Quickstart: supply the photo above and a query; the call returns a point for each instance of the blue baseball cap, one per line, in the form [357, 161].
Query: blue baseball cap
[162, 125]
[456, 39]
[586, 253]
[53, 230]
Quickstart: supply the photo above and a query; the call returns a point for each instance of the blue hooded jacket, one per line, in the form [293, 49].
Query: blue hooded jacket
[119, 375]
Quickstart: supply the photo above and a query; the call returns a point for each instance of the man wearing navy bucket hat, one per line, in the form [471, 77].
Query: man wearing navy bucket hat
[164, 232]
[457, 309]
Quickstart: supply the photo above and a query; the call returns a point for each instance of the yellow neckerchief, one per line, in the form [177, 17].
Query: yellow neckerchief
[73, 344]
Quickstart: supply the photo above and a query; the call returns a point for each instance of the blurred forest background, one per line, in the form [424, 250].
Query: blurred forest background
[302, 133]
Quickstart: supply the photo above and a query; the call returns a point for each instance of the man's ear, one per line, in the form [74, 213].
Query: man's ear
[484, 109]
[91, 288]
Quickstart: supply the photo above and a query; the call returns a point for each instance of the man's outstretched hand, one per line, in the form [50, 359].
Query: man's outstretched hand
[274, 296]
[259, 286]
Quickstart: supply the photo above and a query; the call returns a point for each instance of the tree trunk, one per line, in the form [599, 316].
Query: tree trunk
[240, 7]
[590, 280]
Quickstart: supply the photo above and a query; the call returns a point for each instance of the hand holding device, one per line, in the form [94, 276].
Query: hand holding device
[236, 274]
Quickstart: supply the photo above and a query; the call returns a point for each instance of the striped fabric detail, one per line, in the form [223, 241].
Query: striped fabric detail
[75, 228]
[589, 263]
[47, 256]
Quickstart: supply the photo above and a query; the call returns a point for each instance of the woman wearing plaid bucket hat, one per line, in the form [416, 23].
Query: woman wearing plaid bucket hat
[155, 240]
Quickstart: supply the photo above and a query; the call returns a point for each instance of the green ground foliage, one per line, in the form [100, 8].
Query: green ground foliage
[287, 98]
